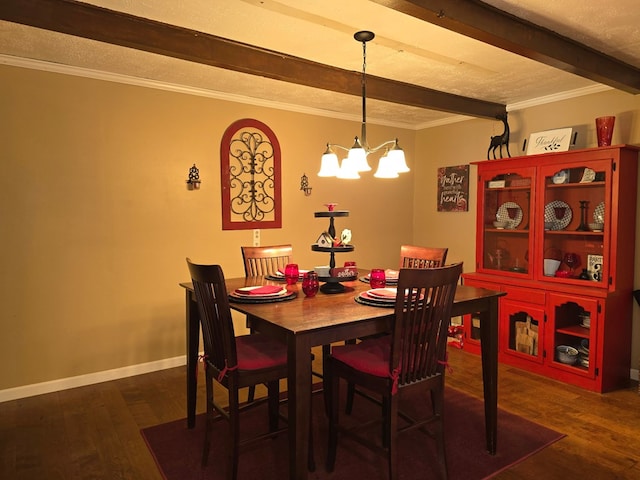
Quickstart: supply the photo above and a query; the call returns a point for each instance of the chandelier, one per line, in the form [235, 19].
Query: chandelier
[392, 161]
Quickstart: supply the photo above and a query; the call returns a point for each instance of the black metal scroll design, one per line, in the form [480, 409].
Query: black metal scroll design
[251, 176]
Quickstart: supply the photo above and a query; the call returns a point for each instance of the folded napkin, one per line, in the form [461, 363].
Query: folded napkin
[383, 292]
[264, 290]
[391, 274]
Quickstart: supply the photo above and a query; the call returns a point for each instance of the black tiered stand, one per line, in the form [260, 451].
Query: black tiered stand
[332, 284]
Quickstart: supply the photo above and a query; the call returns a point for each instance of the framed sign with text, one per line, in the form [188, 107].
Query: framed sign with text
[453, 189]
[558, 140]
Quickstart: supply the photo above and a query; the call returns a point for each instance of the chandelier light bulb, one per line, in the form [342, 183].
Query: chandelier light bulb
[330, 165]
[386, 168]
[348, 169]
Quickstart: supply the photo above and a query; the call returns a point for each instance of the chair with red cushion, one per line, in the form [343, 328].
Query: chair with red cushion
[413, 356]
[234, 362]
[267, 260]
[262, 261]
[411, 256]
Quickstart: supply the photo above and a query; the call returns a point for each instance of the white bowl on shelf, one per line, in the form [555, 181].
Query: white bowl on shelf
[500, 224]
[567, 354]
[596, 227]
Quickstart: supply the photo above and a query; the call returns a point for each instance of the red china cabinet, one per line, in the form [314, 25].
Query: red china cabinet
[556, 231]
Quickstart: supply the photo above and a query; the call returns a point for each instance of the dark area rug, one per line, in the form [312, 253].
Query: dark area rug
[177, 450]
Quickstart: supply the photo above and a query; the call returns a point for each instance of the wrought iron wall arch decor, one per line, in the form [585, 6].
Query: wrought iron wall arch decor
[250, 163]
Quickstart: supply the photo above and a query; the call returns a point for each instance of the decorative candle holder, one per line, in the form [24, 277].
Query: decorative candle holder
[584, 226]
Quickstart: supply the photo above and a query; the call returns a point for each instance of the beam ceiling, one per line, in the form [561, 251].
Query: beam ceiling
[495, 27]
[117, 28]
[467, 17]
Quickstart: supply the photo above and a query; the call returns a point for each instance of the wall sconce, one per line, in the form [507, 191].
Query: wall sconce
[194, 178]
[304, 185]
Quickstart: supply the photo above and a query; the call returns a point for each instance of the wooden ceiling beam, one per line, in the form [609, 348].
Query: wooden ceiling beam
[117, 28]
[495, 27]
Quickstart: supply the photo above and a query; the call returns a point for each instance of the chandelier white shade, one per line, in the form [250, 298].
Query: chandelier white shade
[391, 163]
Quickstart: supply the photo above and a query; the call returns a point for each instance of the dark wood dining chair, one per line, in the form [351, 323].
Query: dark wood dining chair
[267, 260]
[235, 363]
[413, 356]
[412, 256]
[261, 261]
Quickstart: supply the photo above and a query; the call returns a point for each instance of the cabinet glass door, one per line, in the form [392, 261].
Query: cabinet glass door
[574, 325]
[506, 222]
[522, 330]
[575, 223]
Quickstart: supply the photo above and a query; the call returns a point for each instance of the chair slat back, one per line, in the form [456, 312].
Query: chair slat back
[266, 260]
[422, 316]
[215, 314]
[412, 256]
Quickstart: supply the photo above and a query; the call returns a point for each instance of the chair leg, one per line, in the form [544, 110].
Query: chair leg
[351, 393]
[438, 407]
[351, 388]
[391, 422]
[234, 427]
[326, 351]
[273, 389]
[333, 395]
[251, 394]
[311, 461]
[386, 421]
[209, 422]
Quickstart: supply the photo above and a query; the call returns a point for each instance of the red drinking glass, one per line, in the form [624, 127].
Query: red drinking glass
[291, 273]
[377, 278]
[572, 260]
[310, 284]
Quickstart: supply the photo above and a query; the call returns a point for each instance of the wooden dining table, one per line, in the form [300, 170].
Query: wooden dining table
[303, 323]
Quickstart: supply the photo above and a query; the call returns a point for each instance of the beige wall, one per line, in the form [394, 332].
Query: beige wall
[466, 142]
[97, 221]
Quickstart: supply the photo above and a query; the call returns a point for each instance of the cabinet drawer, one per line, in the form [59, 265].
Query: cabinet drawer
[522, 294]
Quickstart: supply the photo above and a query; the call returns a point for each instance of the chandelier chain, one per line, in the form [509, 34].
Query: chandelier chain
[364, 95]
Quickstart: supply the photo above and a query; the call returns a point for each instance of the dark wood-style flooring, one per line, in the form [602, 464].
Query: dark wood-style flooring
[94, 432]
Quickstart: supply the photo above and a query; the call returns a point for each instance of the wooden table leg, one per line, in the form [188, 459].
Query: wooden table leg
[299, 397]
[489, 346]
[193, 341]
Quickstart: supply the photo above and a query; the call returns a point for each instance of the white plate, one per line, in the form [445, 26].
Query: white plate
[598, 213]
[588, 176]
[550, 215]
[503, 214]
[560, 177]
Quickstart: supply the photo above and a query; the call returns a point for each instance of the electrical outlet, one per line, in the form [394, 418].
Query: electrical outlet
[256, 238]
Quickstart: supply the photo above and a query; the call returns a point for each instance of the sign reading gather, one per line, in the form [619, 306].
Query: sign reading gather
[453, 189]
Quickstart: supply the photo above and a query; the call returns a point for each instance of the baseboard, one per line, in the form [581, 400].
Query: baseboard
[114, 374]
[89, 379]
